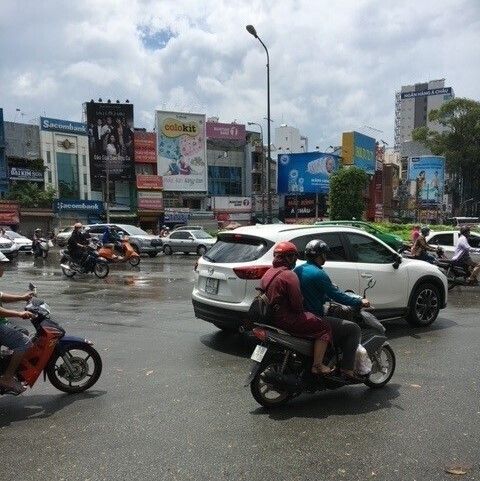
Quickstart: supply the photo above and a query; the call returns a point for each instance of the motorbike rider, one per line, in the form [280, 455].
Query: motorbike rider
[282, 289]
[317, 288]
[77, 244]
[421, 247]
[461, 256]
[37, 238]
[110, 236]
[12, 338]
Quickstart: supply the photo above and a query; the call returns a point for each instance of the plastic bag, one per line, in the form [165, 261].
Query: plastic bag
[363, 363]
[50, 243]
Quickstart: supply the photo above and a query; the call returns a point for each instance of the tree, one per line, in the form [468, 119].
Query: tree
[346, 193]
[29, 194]
[459, 143]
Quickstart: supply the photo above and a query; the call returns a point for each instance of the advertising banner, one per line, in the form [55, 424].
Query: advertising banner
[359, 150]
[300, 206]
[90, 206]
[426, 93]
[427, 172]
[145, 147]
[182, 151]
[65, 126]
[149, 182]
[232, 204]
[216, 130]
[110, 141]
[150, 201]
[23, 173]
[176, 215]
[307, 173]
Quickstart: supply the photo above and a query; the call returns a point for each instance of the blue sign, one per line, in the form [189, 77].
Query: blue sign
[87, 206]
[176, 217]
[65, 126]
[428, 174]
[307, 173]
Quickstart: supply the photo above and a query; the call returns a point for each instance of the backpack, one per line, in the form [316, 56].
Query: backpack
[261, 310]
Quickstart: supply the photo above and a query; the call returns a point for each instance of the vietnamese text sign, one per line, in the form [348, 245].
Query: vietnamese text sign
[93, 206]
[426, 93]
[150, 182]
[181, 151]
[428, 174]
[176, 215]
[65, 126]
[150, 201]
[300, 206]
[306, 173]
[216, 130]
[145, 147]
[232, 204]
[23, 173]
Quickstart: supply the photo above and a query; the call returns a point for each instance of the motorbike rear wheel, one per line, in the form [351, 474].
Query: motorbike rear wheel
[265, 394]
[68, 272]
[383, 367]
[134, 261]
[101, 269]
[75, 370]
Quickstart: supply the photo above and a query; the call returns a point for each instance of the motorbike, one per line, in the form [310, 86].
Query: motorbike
[457, 274]
[70, 363]
[107, 251]
[281, 368]
[41, 248]
[92, 262]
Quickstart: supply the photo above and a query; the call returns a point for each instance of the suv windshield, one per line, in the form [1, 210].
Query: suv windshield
[233, 248]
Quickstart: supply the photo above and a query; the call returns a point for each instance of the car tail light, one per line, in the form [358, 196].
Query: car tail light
[251, 272]
[260, 334]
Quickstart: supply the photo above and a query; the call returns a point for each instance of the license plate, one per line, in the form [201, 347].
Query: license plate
[258, 353]
[211, 285]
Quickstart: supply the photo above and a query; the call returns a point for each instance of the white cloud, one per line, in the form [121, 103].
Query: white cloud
[334, 65]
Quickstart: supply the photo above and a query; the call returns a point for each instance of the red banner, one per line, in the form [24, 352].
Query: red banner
[149, 182]
[145, 147]
[152, 201]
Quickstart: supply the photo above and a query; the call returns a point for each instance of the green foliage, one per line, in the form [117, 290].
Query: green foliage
[346, 193]
[29, 195]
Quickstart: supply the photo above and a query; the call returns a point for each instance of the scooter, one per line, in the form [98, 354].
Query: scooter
[41, 248]
[282, 363]
[92, 263]
[457, 274]
[71, 363]
[107, 251]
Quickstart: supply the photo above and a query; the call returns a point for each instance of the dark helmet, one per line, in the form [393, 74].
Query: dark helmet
[465, 230]
[315, 248]
[285, 249]
[425, 230]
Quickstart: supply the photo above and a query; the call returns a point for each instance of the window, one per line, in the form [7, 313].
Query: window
[474, 241]
[368, 250]
[48, 156]
[49, 176]
[224, 180]
[84, 160]
[97, 229]
[180, 235]
[85, 179]
[337, 252]
[202, 235]
[231, 248]
[442, 239]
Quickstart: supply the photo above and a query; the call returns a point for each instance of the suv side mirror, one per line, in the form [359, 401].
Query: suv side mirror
[397, 261]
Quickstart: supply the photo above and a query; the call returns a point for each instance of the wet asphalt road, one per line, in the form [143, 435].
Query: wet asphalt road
[171, 405]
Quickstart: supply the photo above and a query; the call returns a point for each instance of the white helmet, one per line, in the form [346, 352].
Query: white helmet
[4, 258]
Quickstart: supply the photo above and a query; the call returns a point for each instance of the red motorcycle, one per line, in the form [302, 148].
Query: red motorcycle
[71, 363]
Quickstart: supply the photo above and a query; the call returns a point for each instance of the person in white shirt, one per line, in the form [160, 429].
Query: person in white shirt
[462, 257]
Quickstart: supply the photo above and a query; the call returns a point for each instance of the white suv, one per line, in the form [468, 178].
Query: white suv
[226, 276]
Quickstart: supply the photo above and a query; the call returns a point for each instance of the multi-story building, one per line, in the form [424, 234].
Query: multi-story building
[288, 139]
[3, 162]
[413, 103]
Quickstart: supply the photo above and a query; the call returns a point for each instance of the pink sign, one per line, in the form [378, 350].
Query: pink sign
[215, 130]
[150, 201]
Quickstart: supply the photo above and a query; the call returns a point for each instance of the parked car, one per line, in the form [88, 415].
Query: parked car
[393, 240]
[226, 276]
[62, 237]
[188, 227]
[23, 243]
[447, 240]
[187, 241]
[141, 241]
[8, 247]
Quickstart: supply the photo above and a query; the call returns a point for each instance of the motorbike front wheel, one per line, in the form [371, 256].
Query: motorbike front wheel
[68, 272]
[134, 261]
[76, 369]
[101, 270]
[383, 367]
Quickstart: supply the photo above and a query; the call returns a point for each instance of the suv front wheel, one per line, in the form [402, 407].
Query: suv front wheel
[424, 305]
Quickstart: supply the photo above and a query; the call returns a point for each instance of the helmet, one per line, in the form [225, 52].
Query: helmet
[316, 247]
[77, 225]
[464, 230]
[38, 230]
[3, 258]
[425, 230]
[284, 249]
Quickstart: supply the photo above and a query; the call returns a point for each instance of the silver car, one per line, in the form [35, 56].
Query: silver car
[187, 241]
[23, 243]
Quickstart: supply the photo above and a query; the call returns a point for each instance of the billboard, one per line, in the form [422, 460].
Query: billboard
[359, 150]
[426, 93]
[300, 206]
[145, 147]
[216, 130]
[149, 182]
[232, 204]
[427, 172]
[110, 141]
[24, 173]
[181, 151]
[65, 126]
[307, 173]
[150, 201]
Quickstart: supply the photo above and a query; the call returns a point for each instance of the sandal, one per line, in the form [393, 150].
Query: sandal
[317, 370]
[355, 378]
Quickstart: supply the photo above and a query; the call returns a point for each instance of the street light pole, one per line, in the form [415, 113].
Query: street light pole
[251, 30]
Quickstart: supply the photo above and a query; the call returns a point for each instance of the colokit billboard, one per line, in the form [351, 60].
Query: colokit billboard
[110, 141]
[427, 172]
[181, 151]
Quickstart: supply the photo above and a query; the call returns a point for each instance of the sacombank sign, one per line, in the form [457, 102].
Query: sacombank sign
[65, 126]
[175, 128]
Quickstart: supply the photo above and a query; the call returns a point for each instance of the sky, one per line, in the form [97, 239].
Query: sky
[334, 65]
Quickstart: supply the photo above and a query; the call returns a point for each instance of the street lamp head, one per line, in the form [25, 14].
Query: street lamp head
[251, 30]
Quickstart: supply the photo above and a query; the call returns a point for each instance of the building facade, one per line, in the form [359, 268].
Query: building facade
[3, 160]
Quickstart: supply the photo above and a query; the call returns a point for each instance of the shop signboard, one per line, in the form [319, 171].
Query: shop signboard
[307, 173]
[9, 212]
[152, 201]
[359, 150]
[65, 126]
[181, 151]
[300, 206]
[427, 173]
[217, 130]
[110, 141]
[87, 206]
[426, 93]
[27, 174]
[145, 147]
[176, 216]
[149, 182]
[232, 204]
